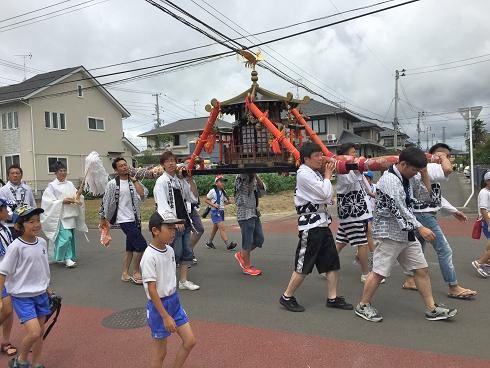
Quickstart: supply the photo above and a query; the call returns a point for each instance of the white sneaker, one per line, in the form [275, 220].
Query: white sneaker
[69, 263]
[364, 278]
[188, 285]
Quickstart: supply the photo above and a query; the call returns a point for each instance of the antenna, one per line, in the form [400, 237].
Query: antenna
[29, 55]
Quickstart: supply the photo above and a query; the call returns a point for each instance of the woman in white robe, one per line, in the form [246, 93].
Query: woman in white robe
[62, 215]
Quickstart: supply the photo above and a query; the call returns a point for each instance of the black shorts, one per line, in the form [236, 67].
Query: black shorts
[135, 242]
[316, 247]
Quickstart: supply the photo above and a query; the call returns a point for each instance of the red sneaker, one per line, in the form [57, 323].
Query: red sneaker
[239, 259]
[252, 271]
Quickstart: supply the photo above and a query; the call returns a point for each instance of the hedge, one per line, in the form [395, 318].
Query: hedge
[275, 183]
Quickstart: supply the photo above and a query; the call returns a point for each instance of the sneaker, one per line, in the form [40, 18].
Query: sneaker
[291, 304]
[15, 363]
[323, 275]
[239, 259]
[69, 263]
[440, 313]
[480, 269]
[210, 245]
[364, 278]
[188, 285]
[252, 271]
[368, 312]
[194, 261]
[339, 303]
[231, 246]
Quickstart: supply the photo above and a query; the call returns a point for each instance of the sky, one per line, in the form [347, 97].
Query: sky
[352, 63]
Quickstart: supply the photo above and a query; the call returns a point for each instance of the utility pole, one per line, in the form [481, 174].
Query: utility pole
[196, 102]
[427, 130]
[157, 110]
[395, 119]
[419, 115]
[469, 113]
[443, 134]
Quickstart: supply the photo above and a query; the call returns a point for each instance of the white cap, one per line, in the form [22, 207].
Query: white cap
[487, 176]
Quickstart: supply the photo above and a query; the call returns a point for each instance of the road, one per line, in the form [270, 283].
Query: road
[239, 323]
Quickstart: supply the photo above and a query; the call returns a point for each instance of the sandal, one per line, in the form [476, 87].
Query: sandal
[136, 280]
[8, 349]
[464, 295]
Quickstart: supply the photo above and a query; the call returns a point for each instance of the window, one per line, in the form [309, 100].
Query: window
[10, 160]
[80, 90]
[96, 124]
[10, 120]
[52, 161]
[389, 142]
[176, 140]
[54, 120]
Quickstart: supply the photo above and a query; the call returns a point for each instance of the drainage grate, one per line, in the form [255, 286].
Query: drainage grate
[126, 319]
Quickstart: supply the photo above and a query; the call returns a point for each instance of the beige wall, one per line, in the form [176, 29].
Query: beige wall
[77, 141]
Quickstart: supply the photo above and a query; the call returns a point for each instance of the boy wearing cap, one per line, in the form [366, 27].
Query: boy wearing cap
[482, 265]
[216, 199]
[24, 271]
[164, 311]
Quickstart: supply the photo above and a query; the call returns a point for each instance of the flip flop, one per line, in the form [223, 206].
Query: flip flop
[136, 280]
[123, 279]
[464, 295]
[409, 288]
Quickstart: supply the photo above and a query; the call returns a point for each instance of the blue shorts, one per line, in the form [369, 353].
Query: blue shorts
[4, 293]
[31, 307]
[217, 216]
[155, 322]
[135, 242]
[484, 228]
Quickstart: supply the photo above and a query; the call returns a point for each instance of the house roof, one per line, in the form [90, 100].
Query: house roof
[366, 124]
[349, 137]
[387, 132]
[317, 108]
[130, 145]
[32, 86]
[186, 125]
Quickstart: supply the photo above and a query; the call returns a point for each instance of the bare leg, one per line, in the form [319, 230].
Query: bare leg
[136, 257]
[409, 283]
[38, 344]
[370, 237]
[6, 318]
[214, 230]
[340, 246]
[30, 340]
[184, 269]
[485, 258]
[246, 256]
[188, 343]
[128, 256]
[370, 286]
[422, 280]
[294, 283]
[222, 231]
[362, 255]
[332, 280]
[159, 353]
[195, 239]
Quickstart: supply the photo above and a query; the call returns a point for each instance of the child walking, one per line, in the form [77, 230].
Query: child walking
[165, 314]
[24, 271]
[482, 265]
[6, 316]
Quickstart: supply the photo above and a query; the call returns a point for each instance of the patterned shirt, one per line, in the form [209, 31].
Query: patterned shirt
[246, 194]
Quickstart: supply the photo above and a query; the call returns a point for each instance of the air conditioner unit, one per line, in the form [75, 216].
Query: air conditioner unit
[331, 138]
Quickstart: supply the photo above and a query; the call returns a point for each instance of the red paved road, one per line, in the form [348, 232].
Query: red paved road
[79, 340]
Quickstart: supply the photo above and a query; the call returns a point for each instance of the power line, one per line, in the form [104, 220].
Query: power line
[448, 68]
[26, 22]
[34, 11]
[447, 63]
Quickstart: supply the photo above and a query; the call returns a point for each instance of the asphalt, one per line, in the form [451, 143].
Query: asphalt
[238, 321]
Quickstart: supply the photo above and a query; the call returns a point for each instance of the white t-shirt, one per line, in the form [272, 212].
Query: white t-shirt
[213, 197]
[483, 201]
[125, 211]
[26, 268]
[159, 265]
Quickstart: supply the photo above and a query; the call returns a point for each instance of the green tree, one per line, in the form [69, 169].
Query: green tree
[480, 134]
[161, 139]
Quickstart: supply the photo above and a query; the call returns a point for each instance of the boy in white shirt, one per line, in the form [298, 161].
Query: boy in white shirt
[165, 314]
[482, 265]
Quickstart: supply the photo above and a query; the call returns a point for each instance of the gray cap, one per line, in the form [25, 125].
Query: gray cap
[156, 220]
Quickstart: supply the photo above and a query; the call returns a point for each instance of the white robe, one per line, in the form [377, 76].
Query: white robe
[72, 216]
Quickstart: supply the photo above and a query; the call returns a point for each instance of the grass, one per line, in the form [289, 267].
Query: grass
[269, 204]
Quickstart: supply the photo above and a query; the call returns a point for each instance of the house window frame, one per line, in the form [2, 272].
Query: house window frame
[176, 138]
[4, 118]
[57, 159]
[58, 118]
[80, 91]
[4, 158]
[95, 118]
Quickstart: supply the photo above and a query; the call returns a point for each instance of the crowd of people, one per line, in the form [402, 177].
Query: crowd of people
[385, 223]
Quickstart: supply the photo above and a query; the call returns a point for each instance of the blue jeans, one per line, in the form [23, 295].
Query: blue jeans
[441, 246]
[182, 246]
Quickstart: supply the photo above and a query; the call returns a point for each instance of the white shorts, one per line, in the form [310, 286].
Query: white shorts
[409, 255]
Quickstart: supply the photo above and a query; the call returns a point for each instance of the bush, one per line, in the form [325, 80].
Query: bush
[274, 183]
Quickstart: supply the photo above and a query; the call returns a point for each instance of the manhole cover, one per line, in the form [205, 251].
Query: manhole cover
[126, 319]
